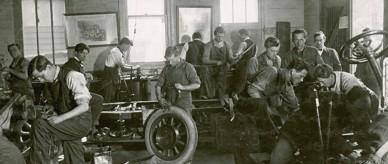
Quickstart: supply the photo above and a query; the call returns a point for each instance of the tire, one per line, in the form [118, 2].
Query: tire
[23, 136]
[166, 130]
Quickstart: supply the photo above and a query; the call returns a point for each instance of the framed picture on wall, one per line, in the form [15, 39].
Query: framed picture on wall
[93, 29]
[194, 19]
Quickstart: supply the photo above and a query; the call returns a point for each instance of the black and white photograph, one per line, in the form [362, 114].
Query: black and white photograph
[193, 82]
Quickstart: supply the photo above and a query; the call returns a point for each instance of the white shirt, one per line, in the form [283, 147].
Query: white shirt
[116, 58]
[344, 82]
[76, 82]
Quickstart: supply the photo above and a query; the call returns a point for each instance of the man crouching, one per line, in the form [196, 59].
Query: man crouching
[71, 102]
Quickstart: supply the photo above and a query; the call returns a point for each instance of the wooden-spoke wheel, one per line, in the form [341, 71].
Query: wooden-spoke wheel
[171, 135]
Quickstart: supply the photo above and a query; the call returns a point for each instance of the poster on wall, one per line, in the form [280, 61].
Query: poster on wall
[93, 29]
[194, 19]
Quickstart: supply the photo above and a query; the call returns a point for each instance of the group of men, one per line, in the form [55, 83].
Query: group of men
[285, 83]
[279, 80]
[66, 90]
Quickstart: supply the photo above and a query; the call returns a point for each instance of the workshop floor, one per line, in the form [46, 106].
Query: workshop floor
[203, 155]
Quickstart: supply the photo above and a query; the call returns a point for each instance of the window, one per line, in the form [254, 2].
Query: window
[44, 27]
[146, 25]
[370, 13]
[239, 11]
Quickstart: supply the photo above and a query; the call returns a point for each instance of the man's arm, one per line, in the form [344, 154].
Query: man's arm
[194, 81]
[241, 49]
[336, 62]
[21, 75]
[252, 67]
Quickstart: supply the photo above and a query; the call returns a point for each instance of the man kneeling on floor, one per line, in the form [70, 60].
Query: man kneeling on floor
[71, 99]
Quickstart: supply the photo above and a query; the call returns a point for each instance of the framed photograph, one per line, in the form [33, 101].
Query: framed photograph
[194, 19]
[93, 29]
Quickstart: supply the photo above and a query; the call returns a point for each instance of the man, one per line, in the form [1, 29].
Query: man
[9, 153]
[329, 55]
[260, 62]
[277, 85]
[20, 85]
[194, 56]
[364, 71]
[336, 81]
[177, 80]
[301, 51]
[218, 55]
[114, 63]
[195, 49]
[245, 52]
[76, 63]
[73, 120]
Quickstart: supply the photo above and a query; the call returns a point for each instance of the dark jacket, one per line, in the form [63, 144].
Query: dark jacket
[309, 54]
[330, 57]
[195, 52]
[74, 64]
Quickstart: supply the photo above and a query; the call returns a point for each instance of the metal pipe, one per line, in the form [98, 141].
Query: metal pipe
[37, 27]
[319, 123]
[52, 30]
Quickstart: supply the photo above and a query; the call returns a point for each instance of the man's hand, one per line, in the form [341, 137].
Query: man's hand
[5, 69]
[179, 86]
[89, 76]
[53, 120]
[164, 103]
[219, 63]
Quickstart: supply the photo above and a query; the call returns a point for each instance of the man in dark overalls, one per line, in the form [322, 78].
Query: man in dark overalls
[245, 52]
[218, 55]
[76, 63]
[73, 120]
[114, 63]
[18, 81]
[176, 82]
[23, 94]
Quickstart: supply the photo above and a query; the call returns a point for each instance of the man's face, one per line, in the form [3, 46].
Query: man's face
[299, 41]
[327, 82]
[45, 75]
[219, 37]
[82, 55]
[319, 42]
[272, 51]
[298, 76]
[125, 47]
[172, 59]
[15, 52]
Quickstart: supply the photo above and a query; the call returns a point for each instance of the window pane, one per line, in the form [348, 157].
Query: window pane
[252, 11]
[239, 11]
[45, 38]
[226, 11]
[149, 40]
[145, 7]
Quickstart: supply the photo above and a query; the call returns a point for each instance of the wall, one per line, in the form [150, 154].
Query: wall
[11, 31]
[312, 18]
[282, 11]
[172, 15]
[95, 60]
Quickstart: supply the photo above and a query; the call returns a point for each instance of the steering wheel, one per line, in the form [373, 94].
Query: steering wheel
[354, 45]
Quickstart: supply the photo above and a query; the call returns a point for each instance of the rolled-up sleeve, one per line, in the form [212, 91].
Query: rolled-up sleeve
[76, 82]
